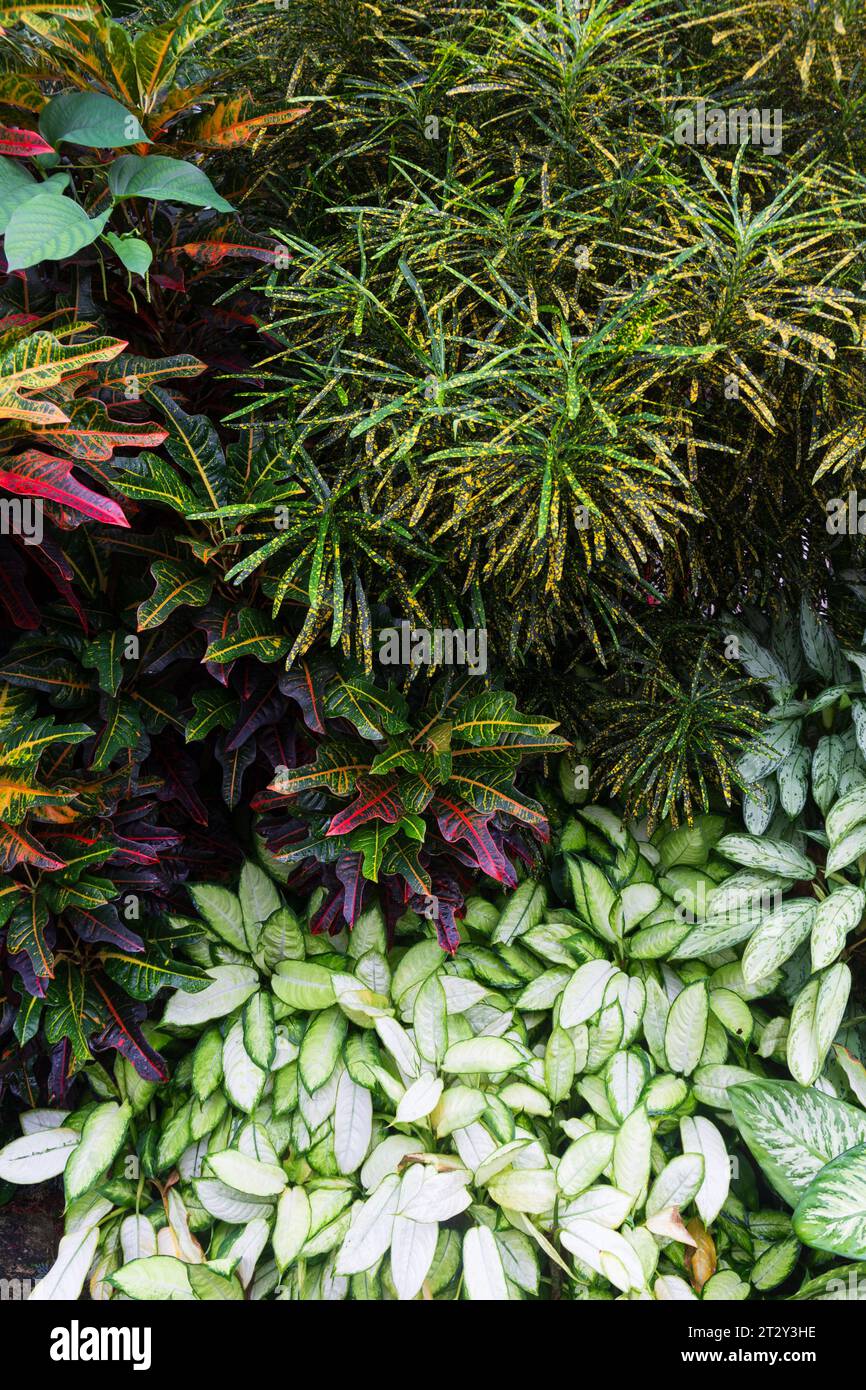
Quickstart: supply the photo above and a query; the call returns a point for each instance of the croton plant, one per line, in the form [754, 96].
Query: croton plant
[133, 647]
[106, 817]
[104, 198]
[420, 799]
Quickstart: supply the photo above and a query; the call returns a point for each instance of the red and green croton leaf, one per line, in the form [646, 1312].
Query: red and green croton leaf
[22, 144]
[457, 821]
[375, 800]
[34, 474]
[48, 397]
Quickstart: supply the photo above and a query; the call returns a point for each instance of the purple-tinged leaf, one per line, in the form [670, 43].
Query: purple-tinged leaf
[14, 594]
[305, 684]
[459, 822]
[329, 917]
[103, 924]
[33, 983]
[265, 705]
[18, 846]
[351, 874]
[121, 1019]
[234, 764]
[59, 1076]
[179, 774]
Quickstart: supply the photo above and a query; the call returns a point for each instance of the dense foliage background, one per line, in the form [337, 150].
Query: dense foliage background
[319, 318]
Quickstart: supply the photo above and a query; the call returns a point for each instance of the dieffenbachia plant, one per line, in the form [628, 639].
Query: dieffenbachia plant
[812, 1149]
[540, 1115]
[801, 889]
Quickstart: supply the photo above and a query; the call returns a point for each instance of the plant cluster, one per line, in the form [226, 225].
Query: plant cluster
[434, 799]
[535, 360]
[349, 976]
[557, 1111]
[576, 353]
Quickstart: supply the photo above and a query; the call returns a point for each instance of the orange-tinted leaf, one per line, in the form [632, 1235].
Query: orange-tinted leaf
[212, 252]
[228, 124]
[18, 846]
[18, 795]
[700, 1262]
[91, 433]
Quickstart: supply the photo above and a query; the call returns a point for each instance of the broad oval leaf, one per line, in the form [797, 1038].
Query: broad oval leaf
[420, 1100]
[232, 986]
[773, 856]
[247, 1174]
[677, 1183]
[353, 1124]
[584, 994]
[482, 1267]
[793, 1132]
[303, 985]
[37, 1156]
[831, 1214]
[777, 937]
[64, 1281]
[584, 1161]
[104, 1132]
[686, 1028]
[837, 915]
[292, 1226]
[159, 1277]
[243, 1080]
[49, 228]
[168, 180]
[482, 1055]
[91, 119]
[700, 1136]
